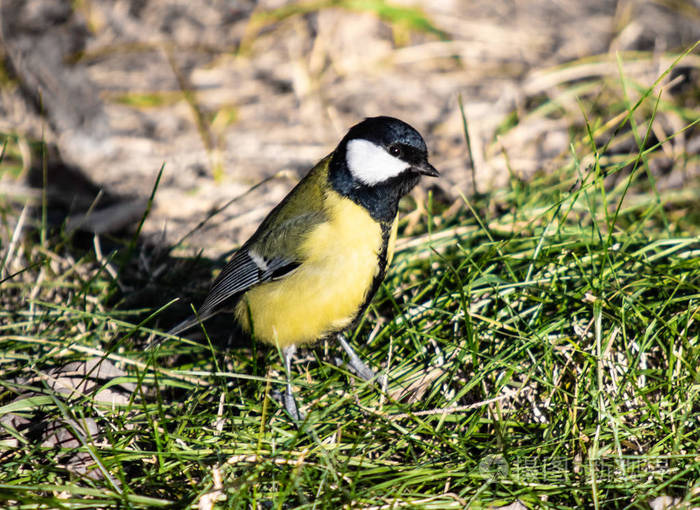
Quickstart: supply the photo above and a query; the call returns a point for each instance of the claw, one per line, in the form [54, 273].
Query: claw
[355, 362]
[288, 398]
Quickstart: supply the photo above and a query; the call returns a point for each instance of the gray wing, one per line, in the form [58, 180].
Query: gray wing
[243, 271]
[271, 252]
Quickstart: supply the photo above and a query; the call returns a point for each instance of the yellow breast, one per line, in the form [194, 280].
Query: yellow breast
[325, 292]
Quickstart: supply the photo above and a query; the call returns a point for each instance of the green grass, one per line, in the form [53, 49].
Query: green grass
[541, 345]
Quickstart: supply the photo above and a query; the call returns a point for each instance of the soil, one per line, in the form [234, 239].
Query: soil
[225, 94]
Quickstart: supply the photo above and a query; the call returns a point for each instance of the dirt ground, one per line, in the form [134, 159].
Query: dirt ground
[227, 93]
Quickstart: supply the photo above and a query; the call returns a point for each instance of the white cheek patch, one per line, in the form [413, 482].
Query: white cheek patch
[371, 164]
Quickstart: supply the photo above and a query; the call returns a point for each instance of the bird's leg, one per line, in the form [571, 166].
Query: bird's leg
[355, 362]
[288, 399]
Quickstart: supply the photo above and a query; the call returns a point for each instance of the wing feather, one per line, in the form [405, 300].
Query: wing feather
[272, 252]
[241, 273]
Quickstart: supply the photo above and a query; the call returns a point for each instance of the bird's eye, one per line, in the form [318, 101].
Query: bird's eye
[395, 150]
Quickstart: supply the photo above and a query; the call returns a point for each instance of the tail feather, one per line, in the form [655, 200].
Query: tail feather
[181, 327]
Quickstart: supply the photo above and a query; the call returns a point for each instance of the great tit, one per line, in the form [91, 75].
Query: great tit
[313, 265]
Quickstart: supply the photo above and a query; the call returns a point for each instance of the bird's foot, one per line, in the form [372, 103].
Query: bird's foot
[291, 406]
[359, 366]
[289, 403]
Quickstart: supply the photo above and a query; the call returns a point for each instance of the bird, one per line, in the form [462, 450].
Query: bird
[315, 262]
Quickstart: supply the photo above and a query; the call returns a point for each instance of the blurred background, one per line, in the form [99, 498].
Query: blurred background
[228, 93]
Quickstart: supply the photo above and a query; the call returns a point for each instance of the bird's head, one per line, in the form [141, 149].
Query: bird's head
[381, 149]
[377, 162]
